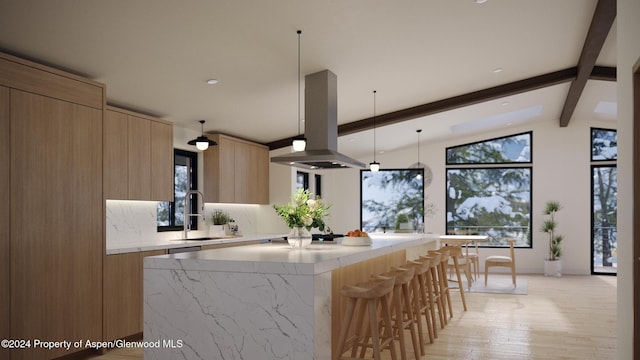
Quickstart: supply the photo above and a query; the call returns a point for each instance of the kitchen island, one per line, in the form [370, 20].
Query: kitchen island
[264, 301]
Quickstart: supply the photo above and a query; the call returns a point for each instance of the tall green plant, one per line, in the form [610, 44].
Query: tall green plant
[549, 227]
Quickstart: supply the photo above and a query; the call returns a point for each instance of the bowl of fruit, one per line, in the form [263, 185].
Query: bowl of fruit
[356, 237]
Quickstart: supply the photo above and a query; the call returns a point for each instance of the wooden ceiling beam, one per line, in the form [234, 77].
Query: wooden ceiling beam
[601, 23]
[476, 97]
[516, 87]
[604, 73]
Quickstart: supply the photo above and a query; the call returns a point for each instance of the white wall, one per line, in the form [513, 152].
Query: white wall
[628, 20]
[561, 171]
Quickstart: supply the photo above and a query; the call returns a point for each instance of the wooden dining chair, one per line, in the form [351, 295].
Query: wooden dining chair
[473, 258]
[504, 261]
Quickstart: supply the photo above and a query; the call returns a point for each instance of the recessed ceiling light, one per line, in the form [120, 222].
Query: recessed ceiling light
[481, 1]
[212, 81]
[497, 70]
[505, 103]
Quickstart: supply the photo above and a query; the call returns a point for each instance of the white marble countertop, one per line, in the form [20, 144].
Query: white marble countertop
[279, 258]
[180, 243]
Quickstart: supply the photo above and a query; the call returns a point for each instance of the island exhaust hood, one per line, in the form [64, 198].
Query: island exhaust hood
[321, 127]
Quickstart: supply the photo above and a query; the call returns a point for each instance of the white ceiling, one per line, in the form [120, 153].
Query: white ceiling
[156, 55]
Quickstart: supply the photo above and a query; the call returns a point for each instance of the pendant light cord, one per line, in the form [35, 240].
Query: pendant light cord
[419, 131]
[299, 120]
[374, 126]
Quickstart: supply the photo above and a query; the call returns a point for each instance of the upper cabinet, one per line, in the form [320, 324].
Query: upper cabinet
[138, 156]
[236, 171]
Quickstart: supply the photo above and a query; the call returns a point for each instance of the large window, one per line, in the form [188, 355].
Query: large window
[489, 189]
[392, 200]
[604, 205]
[171, 214]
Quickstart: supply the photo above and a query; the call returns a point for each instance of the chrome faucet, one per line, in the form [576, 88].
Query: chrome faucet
[187, 210]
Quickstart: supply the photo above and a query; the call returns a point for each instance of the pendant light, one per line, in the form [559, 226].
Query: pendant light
[374, 166]
[418, 164]
[428, 174]
[299, 142]
[202, 142]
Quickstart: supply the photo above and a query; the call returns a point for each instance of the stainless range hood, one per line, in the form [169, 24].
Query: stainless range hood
[321, 127]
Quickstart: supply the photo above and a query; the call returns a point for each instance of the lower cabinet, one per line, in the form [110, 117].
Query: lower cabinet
[123, 298]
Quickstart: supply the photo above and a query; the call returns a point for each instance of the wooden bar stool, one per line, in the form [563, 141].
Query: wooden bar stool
[431, 302]
[443, 281]
[402, 308]
[369, 295]
[420, 297]
[433, 289]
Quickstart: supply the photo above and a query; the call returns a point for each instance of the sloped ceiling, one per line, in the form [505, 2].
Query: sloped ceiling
[156, 55]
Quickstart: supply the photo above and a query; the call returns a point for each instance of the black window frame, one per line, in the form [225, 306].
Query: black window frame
[600, 164]
[390, 226]
[178, 154]
[449, 148]
[480, 165]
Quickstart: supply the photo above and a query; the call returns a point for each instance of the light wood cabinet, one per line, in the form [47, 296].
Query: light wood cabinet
[56, 223]
[236, 171]
[51, 217]
[123, 294]
[5, 268]
[162, 161]
[138, 157]
[116, 148]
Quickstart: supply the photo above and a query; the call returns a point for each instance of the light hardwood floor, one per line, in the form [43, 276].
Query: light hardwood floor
[573, 317]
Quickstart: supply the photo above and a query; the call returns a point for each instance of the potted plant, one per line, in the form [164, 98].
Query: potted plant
[553, 263]
[219, 219]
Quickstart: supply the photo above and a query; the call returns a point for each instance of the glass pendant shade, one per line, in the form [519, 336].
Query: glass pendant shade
[299, 143]
[374, 166]
[202, 145]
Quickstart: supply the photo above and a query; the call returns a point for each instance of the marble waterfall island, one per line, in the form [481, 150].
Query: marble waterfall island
[264, 301]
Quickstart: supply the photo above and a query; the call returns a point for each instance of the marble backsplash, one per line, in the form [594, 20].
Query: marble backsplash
[134, 222]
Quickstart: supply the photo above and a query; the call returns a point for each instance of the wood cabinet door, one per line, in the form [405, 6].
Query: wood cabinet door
[116, 155]
[139, 144]
[161, 161]
[5, 233]
[227, 170]
[242, 165]
[259, 175]
[122, 296]
[56, 222]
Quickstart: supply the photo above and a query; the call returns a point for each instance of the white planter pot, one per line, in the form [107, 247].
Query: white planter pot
[553, 268]
[218, 230]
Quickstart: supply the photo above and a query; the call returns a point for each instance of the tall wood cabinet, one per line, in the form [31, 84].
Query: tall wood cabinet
[138, 156]
[236, 171]
[5, 265]
[54, 212]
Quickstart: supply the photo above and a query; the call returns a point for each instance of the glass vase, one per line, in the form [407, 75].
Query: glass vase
[299, 238]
